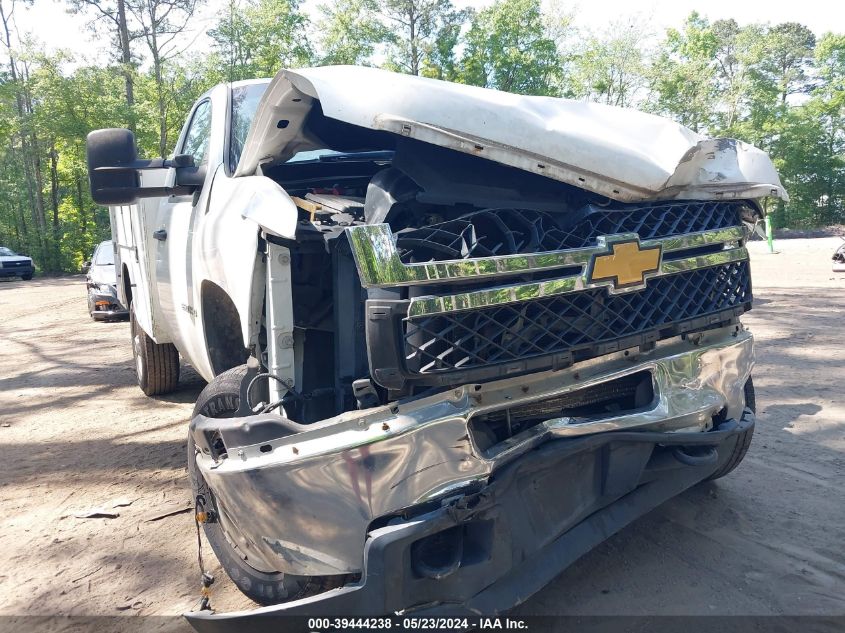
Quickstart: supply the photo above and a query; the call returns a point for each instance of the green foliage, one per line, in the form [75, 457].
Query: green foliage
[507, 48]
[683, 75]
[776, 86]
[349, 32]
[611, 67]
[421, 34]
[259, 37]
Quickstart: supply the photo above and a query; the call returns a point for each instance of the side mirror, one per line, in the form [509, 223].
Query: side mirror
[106, 150]
[86, 266]
[113, 167]
[191, 176]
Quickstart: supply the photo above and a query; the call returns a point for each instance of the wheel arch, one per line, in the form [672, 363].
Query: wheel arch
[126, 285]
[222, 328]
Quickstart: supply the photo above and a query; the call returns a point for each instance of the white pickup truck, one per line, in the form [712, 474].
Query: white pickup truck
[454, 337]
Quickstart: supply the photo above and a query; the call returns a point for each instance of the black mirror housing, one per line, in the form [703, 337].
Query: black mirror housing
[113, 169]
[191, 176]
[111, 148]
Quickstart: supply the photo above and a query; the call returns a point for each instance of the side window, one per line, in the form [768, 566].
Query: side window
[199, 132]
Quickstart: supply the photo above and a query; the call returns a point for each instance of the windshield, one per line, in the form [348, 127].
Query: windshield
[6, 252]
[244, 104]
[104, 255]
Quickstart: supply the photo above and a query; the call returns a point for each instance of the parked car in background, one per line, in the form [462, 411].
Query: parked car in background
[839, 259]
[102, 284]
[13, 264]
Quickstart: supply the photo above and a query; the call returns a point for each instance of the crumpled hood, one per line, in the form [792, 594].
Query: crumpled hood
[621, 153]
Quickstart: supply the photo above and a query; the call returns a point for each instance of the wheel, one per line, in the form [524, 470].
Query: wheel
[26, 277]
[744, 441]
[221, 399]
[156, 365]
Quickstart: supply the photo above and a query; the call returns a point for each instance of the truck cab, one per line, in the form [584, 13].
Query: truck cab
[164, 273]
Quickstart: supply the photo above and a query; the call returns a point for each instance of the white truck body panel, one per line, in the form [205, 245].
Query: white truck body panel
[130, 237]
[209, 238]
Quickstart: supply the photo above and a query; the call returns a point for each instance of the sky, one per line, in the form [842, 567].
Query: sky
[54, 28]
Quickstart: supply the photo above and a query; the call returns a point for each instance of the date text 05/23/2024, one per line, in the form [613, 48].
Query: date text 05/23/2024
[317, 625]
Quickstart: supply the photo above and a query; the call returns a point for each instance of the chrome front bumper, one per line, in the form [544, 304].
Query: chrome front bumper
[497, 545]
[305, 502]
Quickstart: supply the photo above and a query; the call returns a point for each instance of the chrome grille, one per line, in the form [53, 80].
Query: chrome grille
[581, 321]
[497, 232]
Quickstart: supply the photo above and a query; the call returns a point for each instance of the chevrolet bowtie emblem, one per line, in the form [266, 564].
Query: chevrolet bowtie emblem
[626, 264]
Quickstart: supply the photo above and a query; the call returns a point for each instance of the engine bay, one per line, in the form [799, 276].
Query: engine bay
[444, 206]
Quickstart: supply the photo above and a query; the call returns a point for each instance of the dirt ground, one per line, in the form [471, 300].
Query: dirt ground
[77, 433]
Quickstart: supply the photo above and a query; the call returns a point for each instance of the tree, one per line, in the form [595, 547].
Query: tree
[23, 141]
[610, 67]
[114, 15]
[349, 32]
[161, 23]
[683, 75]
[735, 56]
[417, 27]
[811, 146]
[507, 48]
[257, 39]
[785, 56]
[232, 44]
[70, 106]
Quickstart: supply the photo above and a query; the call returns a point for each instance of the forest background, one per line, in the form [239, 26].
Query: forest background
[778, 86]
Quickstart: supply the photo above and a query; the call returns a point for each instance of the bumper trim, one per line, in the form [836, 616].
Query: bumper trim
[387, 585]
[102, 315]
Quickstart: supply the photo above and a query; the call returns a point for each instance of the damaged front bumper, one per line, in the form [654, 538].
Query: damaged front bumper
[508, 540]
[103, 302]
[412, 498]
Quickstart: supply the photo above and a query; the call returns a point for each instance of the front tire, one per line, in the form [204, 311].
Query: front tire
[26, 277]
[744, 440]
[156, 364]
[221, 399]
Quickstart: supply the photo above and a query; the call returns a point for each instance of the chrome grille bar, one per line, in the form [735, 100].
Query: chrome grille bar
[422, 306]
[379, 264]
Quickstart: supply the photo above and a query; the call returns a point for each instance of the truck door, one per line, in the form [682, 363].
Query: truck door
[173, 234]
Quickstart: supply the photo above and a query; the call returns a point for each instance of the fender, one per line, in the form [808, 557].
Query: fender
[270, 207]
[240, 209]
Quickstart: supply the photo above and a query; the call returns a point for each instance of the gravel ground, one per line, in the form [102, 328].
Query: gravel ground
[76, 433]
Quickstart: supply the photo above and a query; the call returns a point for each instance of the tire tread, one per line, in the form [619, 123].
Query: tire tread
[743, 442]
[161, 361]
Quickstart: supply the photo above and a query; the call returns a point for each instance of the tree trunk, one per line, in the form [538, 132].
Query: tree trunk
[54, 202]
[126, 60]
[35, 157]
[21, 221]
[162, 109]
[29, 142]
[80, 202]
[412, 25]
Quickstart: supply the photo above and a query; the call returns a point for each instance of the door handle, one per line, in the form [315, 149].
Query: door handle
[160, 235]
